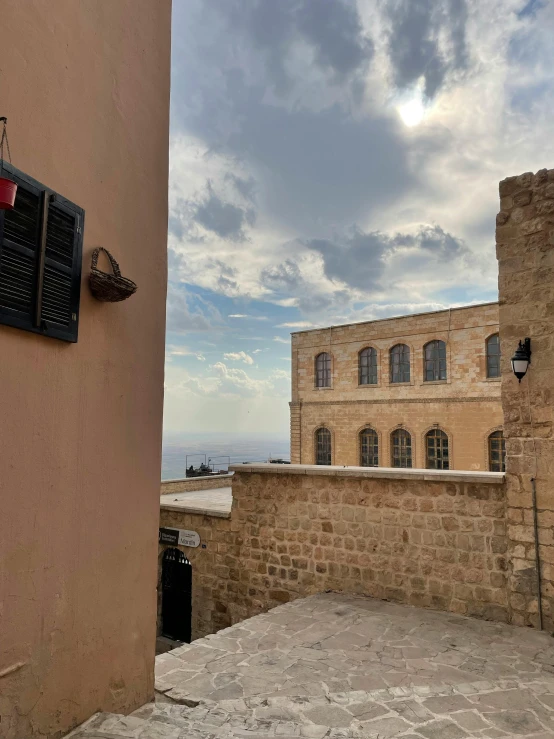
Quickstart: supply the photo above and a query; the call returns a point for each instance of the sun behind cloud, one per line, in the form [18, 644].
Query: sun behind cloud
[412, 112]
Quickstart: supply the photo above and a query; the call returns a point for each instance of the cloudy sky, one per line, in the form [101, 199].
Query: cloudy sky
[335, 161]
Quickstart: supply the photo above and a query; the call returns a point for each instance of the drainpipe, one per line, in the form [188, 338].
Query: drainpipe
[537, 554]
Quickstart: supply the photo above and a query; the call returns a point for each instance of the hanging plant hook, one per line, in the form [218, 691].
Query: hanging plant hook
[8, 187]
[4, 120]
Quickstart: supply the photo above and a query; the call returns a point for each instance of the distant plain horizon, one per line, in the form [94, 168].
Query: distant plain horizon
[215, 447]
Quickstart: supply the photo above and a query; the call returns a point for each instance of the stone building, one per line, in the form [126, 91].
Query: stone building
[414, 391]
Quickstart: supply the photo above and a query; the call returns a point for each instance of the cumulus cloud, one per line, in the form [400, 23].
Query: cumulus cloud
[229, 382]
[331, 33]
[294, 180]
[335, 31]
[245, 186]
[426, 39]
[182, 351]
[225, 219]
[186, 312]
[360, 260]
[280, 340]
[295, 324]
[239, 357]
[279, 374]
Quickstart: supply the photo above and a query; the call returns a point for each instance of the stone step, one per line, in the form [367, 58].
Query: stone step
[208, 720]
[109, 725]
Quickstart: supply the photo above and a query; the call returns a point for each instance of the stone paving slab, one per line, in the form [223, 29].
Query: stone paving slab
[345, 667]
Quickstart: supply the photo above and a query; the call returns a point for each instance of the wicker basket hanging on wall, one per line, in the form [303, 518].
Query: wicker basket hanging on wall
[109, 288]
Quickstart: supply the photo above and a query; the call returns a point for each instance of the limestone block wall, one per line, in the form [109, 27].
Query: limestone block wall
[525, 251]
[436, 540]
[466, 405]
[467, 422]
[213, 582]
[429, 542]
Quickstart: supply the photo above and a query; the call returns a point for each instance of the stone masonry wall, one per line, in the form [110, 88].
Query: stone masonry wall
[466, 405]
[525, 251]
[468, 424]
[213, 584]
[437, 543]
[192, 484]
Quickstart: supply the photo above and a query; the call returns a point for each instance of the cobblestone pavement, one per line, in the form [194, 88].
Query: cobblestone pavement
[344, 667]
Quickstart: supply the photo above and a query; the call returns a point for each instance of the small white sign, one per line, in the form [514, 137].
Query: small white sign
[189, 538]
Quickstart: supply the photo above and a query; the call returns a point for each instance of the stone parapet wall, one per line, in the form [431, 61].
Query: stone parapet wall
[525, 251]
[427, 541]
[212, 587]
[433, 539]
[192, 484]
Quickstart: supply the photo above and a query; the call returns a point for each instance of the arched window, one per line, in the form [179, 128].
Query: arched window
[368, 366]
[323, 370]
[493, 356]
[436, 450]
[400, 363]
[369, 448]
[497, 452]
[434, 361]
[401, 448]
[323, 446]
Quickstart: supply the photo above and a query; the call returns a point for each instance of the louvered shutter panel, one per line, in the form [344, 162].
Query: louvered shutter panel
[19, 252]
[61, 283]
[41, 247]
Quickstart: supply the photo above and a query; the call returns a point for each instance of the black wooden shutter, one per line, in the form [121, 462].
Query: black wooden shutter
[40, 260]
[58, 307]
[19, 249]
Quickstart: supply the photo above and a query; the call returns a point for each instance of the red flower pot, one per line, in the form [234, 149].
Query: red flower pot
[8, 189]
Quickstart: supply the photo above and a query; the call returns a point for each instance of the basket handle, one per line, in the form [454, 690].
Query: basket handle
[113, 262]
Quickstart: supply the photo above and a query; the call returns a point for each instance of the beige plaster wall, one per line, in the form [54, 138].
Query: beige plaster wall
[85, 87]
[525, 250]
[466, 405]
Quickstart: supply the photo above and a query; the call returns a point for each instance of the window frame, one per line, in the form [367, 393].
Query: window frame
[375, 444]
[435, 361]
[401, 433]
[42, 262]
[317, 432]
[372, 353]
[404, 363]
[489, 356]
[437, 433]
[327, 372]
[496, 434]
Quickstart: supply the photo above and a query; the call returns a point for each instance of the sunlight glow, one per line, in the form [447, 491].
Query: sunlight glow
[412, 112]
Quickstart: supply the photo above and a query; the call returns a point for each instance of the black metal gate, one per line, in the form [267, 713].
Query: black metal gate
[176, 595]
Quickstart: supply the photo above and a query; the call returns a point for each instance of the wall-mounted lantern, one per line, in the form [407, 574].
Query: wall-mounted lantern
[521, 359]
